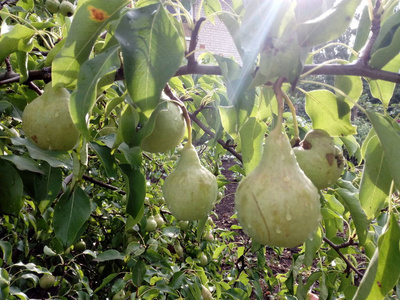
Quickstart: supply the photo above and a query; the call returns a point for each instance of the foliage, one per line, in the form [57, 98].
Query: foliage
[92, 221]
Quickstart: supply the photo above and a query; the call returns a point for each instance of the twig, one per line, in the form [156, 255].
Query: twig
[8, 65]
[193, 117]
[365, 53]
[225, 145]
[193, 43]
[35, 88]
[103, 184]
[337, 249]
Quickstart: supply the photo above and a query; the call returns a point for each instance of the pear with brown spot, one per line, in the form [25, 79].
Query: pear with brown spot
[319, 158]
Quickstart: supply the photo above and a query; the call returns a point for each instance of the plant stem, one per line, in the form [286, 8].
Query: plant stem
[296, 137]
[278, 93]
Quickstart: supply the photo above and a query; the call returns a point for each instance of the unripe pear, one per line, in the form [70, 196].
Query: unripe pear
[276, 204]
[169, 128]
[190, 191]
[151, 224]
[319, 158]
[47, 120]
[205, 293]
[47, 281]
[67, 8]
[52, 6]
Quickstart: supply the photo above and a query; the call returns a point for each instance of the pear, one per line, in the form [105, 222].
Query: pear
[276, 204]
[47, 120]
[67, 8]
[319, 158]
[52, 6]
[190, 191]
[168, 131]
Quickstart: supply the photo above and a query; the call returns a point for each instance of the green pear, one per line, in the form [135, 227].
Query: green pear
[276, 204]
[319, 158]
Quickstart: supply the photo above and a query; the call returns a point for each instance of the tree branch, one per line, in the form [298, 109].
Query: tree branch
[352, 70]
[337, 249]
[193, 43]
[365, 53]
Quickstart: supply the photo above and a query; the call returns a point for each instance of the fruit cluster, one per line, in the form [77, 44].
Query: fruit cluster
[65, 8]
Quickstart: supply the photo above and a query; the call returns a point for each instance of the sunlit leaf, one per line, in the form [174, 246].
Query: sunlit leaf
[376, 180]
[19, 38]
[383, 90]
[328, 114]
[252, 138]
[390, 141]
[147, 36]
[384, 268]
[328, 26]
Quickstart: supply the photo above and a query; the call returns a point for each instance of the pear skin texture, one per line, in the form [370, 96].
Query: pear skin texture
[276, 204]
[168, 132]
[190, 191]
[47, 122]
[319, 158]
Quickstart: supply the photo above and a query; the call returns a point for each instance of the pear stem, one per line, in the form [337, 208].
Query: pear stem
[188, 121]
[278, 93]
[294, 116]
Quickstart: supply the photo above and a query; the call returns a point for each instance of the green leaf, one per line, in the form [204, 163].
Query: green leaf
[230, 120]
[384, 269]
[211, 7]
[390, 141]
[240, 95]
[108, 255]
[329, 114]
[352, 86]
[106, 281]
[53, 158]
[106, 158]
[7, 251]
[363, 31]
[153, 48]
[11, 189]
[138, 272]
[251, 139]
[312, 246]
[358, 215]
[22, 59]
[386, 45]
[84, 98]
[19, 38]
[376, 180]
[352, 146]
[136, 190]
[328, 26]
[47, 186]
[383, 90]
[90, 18]
[23, 163]
[70, 215]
